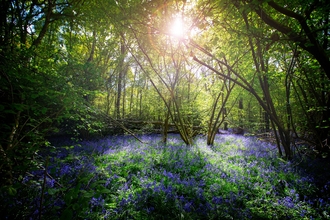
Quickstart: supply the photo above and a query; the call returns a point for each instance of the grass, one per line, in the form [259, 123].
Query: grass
[120, 178]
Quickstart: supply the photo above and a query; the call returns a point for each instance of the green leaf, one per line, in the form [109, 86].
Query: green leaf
[44, 110]
[105, 191]
[67, 214]
[111, 205]
[12, 191]
[52, 191]
[89, 194]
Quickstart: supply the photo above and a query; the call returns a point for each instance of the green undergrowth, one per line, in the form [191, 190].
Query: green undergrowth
[120, 178]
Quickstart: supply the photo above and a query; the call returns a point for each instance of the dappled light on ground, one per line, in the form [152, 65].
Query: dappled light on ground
[120, 178]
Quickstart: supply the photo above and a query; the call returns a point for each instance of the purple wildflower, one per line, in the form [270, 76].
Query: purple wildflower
[50, 182]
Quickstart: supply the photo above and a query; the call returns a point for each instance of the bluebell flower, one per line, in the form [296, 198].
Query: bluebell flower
[65, 169]
[302, 213]
[36, 212]
[26, 179]
[150, 209]
[94, 201]
[181, 198]
[200, 194]
[217, 200]
[168, 190]
[108, 181]
[123, 202]
[287, 201]
[188, 206]
[97, 202]
[320, 201]
[50, 182]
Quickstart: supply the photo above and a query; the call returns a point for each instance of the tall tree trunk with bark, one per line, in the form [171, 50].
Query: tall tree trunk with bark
[121, 73]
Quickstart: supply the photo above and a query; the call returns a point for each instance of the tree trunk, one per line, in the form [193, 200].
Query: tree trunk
[262, 70]
[121, 70]
[225, 124]
[240, 113]
[132, 92]
[266, 119]
[124, 92]
[166, 126]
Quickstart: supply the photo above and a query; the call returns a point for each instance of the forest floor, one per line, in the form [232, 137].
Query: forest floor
[119, 177]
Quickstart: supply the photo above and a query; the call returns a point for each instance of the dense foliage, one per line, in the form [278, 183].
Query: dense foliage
[121, 178]
[88, 69]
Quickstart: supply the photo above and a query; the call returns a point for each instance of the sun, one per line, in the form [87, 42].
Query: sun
[177, 27]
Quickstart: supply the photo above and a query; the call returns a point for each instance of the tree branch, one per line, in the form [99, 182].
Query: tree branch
[308, 43]
[46, 24]
[285, 11]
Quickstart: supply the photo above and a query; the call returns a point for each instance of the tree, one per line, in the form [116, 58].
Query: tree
[219, 114]
[306, 25]
[33, 93]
